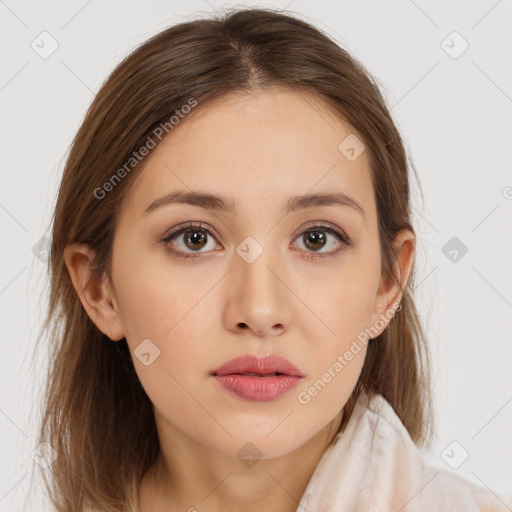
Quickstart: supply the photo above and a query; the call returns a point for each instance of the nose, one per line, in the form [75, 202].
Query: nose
[258, 298]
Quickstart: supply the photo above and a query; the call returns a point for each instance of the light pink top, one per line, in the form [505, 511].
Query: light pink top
[374, 466]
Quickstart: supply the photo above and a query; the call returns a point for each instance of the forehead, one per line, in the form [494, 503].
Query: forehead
[257, 148]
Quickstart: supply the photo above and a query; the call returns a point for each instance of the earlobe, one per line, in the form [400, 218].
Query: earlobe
[93, 289]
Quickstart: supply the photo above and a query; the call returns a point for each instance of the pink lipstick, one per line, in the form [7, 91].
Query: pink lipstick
[259, 379]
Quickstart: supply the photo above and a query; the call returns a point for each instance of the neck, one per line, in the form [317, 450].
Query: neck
[191, 476]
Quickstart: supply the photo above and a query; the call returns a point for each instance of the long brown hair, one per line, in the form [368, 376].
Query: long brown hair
[96, 414]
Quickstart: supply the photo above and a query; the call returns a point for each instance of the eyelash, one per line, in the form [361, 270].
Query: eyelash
[345, 241]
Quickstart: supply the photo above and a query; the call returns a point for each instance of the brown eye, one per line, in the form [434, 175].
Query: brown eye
[314, 240]
[189, 239]
[196, 239]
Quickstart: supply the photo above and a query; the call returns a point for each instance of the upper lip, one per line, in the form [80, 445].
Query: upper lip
[258, 364]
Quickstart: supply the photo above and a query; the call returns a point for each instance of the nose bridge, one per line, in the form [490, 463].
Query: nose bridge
[257, 265]
[259, 294]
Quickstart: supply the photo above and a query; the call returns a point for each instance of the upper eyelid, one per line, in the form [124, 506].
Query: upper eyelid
[180, 229]
[328, 226]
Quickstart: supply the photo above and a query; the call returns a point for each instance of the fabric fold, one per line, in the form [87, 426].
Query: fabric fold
[374, 466]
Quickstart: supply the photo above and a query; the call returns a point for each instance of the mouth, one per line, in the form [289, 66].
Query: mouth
[254, 374]
[258, 387]
[258, 366]
[258, 379]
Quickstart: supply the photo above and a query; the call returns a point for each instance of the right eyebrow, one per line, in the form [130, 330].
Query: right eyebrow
[203, 200]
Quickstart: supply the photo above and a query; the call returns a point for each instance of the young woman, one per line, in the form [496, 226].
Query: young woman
[230, 319]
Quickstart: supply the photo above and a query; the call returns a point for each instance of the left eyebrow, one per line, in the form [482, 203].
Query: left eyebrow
[225, 204]
[326, 199]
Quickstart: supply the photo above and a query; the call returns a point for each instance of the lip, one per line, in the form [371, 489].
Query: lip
[262, 364]
[264, 388]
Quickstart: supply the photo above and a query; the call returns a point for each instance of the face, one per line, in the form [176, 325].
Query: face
[256, 279]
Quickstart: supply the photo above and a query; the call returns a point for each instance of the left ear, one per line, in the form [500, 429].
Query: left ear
[390, 293]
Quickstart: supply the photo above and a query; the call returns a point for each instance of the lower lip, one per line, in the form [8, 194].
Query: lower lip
[258, 389]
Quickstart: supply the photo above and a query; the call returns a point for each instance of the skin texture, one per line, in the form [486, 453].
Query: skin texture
[258, 150]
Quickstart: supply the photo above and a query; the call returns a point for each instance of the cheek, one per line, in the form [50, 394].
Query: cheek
[342, 308]
[338, 333]
[154, 299]
[166, 317]
[327, 392]
[338, 349]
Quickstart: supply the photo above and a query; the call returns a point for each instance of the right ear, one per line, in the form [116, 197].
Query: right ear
[94, 290]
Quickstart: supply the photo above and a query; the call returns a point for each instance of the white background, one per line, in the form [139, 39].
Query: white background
[456, 118]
